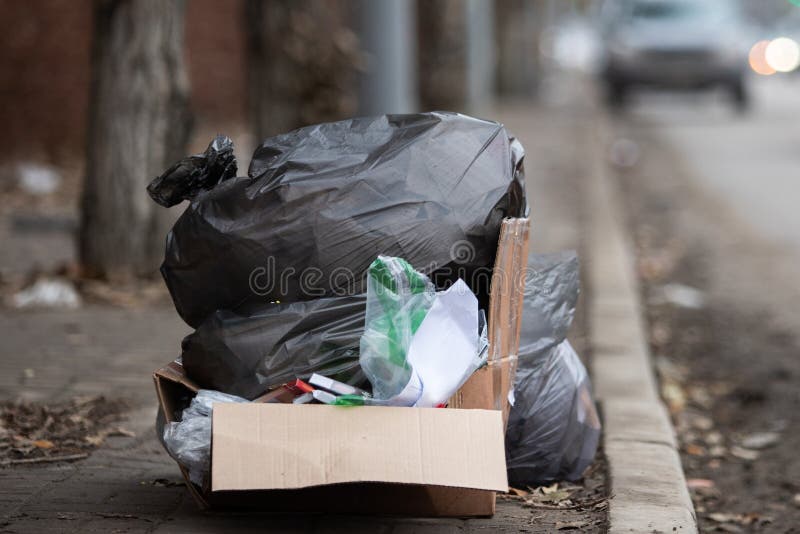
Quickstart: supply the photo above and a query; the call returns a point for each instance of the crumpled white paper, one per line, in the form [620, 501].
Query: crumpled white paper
[444, 351]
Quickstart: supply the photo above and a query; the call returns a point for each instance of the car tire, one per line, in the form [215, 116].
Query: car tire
[740, 96]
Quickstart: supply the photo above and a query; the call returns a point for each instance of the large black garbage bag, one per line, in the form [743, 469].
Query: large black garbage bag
[553, 427]
[320, 203]
[246, 354]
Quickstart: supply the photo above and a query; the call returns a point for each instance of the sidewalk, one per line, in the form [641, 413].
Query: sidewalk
[128, 484]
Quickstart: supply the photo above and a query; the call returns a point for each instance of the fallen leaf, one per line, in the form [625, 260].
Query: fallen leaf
[760, 440]
[719, 517]
[549, 489]
[744, 454]
[695, 450]
[796, 499]
[717, 451]
[669, 370]
[96, 439]
[518, 492]
[740, 519]
[120, 431]
[674, 396]
[699, 483]
[701, 422]
[570, 525]
[713, 438]
[32, 427]
[556, 496]
[749, 519]
[701, 396]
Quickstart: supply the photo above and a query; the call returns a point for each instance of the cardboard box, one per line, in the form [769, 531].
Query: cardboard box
[372, 460]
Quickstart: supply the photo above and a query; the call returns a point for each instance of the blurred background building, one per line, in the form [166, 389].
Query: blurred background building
[410, 55]
[254, 68]
[45, 60]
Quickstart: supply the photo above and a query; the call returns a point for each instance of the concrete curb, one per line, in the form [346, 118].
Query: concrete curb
[647, 485]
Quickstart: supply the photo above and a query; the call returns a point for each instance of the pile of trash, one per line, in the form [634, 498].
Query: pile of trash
[351, 267]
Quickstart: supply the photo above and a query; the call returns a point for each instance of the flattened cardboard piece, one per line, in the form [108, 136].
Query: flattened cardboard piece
[505, 309]
[172, 384]
[520, 268]
[517, 294]
[276, 446]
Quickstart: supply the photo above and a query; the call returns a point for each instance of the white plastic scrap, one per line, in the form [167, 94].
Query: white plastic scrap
[48, 293]
[38, 179]
[683, 296]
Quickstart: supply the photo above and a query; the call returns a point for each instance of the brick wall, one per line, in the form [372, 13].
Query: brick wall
[44, 72]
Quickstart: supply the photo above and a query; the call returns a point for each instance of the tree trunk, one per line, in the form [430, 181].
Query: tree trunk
[442, 54]
[138, 125]
[302, 58]
[517, 35]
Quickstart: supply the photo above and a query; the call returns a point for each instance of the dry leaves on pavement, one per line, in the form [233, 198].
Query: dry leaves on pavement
[34, 432]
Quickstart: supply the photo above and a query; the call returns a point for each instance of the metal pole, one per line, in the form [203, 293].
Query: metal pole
[480, 53]
[388, 36]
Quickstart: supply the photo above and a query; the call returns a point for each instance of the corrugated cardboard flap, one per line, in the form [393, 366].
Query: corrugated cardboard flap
[276, 446]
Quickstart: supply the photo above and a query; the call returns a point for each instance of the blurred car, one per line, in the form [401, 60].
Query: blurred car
[673, 44]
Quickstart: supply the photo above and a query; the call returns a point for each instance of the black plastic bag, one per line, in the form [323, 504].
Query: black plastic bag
[247, 354]
[195, 173]
[320, 203]
[553, 427]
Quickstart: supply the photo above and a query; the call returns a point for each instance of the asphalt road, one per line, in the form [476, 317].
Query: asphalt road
[711, 199]
[751, 161]
[743, 172]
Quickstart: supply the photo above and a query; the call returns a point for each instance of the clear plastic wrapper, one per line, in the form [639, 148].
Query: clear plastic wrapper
[188, 441]
[320, 203]
[398, 298]
[553, 428]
